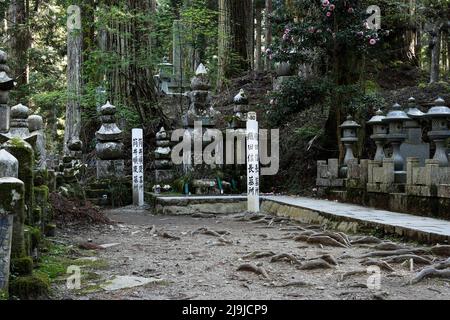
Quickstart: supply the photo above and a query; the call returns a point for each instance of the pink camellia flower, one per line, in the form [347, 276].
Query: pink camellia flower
[331, 7]
[325, 3]
[372, 41]
[328, 14]
[360, 34]
[350, 10]
[268, 51]
[311, 29]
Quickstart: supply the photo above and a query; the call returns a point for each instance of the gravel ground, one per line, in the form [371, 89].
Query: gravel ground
[199, 266]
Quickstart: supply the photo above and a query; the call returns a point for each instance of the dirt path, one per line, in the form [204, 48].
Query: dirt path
[202, 266]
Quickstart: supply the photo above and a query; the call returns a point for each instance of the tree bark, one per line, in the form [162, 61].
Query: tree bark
[236, 44]
[74, 87]
[268, 35]
[258, 42]
[20, 43]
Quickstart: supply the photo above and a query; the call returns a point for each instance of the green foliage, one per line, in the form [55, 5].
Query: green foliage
[22, 266]
[295, 95]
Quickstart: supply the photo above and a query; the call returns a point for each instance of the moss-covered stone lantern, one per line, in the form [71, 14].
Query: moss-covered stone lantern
[380, 131]
[349, 138]
[439, 115]
[395, 118]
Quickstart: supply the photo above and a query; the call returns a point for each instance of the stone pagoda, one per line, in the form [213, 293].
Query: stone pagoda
[163, 162]
[109, 146]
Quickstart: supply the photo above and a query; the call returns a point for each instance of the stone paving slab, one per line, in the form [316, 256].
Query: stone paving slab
[397, 219]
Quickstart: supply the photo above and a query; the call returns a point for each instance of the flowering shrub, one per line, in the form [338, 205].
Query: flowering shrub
[325, 24]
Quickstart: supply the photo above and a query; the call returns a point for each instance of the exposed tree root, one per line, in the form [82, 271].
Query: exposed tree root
[203, 215]
[167, 236]
[431, 272]
[315, 264]
[226, 241]
[366, 240]
[287, 257]
[338, 236]
[328, 258]
[441, 250]
[259, 254]
[380, 263]
[443, 265]
[388, 246]
[300, 237]
[292, 228]
[407, 257]
[90, 246]
[394, 253]
[352, 273]
[325, 240]
[204, 230]
[252, 268]
[298, 283]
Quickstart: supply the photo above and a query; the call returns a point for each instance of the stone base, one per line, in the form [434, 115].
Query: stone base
[385, 187]
[6, 225]
[163, 176]
[110, 169]
[323, 182]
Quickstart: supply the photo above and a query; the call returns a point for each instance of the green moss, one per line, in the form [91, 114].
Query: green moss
[23, 152]
[35, 236]
[4, 294]
[35, 286]
[40, 177]
[22, 266]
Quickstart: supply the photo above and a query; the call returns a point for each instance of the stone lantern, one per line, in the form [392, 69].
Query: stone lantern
[395, 119]
[379, 133]
[439, 115]
[349, 138]
[165, 75]
[6, 84]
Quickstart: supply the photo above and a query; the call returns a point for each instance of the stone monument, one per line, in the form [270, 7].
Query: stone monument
[109, 146]
[163, 162]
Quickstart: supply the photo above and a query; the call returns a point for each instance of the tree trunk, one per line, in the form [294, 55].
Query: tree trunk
[268, 35]
[20, 43]
[236, 48]
[74, 87]
[258, 43]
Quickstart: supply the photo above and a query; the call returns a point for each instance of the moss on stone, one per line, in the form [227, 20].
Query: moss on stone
[23, 152]
[40, 177]
[22, 266]
[12, 202]
[32, 287]
[4, 294]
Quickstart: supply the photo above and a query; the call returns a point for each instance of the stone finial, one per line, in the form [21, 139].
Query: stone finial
[200, 81]
[201, 70]
[35, 123]
[241, 97]
[19, 111]
[108, 109]
[9, 166]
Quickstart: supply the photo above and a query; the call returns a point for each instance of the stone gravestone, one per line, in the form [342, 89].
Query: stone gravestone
[252, 163]
[138, 166]
[36, 128]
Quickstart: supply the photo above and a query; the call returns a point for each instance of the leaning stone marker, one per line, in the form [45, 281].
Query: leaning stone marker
[138, 166]
[252, 163]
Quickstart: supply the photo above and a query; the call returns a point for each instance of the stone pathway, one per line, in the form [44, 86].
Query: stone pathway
[420, 228]
[395, 219]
